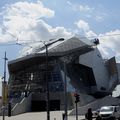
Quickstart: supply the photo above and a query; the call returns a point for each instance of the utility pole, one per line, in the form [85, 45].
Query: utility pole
[4, 85]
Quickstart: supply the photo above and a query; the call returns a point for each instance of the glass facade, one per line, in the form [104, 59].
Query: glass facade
[34, 79]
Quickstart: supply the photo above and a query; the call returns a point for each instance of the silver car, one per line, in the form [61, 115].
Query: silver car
[109, 112]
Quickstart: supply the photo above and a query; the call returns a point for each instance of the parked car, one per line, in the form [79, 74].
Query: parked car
[109, 112]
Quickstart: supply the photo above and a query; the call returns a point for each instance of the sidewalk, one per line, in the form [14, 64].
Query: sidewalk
[54, 115]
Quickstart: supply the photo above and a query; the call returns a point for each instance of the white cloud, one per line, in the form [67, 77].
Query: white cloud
[81, 24]
[90, 33]
[88, 11]
[24, 20]
[69, 3]
[88, 15]
[85, 8]
[43, 31]
[109, 41]
[21, 17]
[5, 37]
[31, 10]
[81, 8]
[99, 18]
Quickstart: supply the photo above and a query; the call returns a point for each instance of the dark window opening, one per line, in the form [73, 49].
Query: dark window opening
[81, 73]
[41, 105]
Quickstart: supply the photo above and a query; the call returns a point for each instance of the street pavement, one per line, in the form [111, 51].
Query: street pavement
[54, 115]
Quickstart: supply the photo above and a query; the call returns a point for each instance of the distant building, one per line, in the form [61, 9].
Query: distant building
[86, 73]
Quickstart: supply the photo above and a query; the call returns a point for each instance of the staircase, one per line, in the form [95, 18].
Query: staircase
[18, 106]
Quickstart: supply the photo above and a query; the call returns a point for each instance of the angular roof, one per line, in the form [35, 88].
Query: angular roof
[64, 48]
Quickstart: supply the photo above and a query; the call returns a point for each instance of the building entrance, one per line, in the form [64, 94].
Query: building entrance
[41, 105]
[38, 106]
[54, 105]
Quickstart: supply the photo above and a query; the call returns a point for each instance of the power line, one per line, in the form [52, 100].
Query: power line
[26, 42]
[98, 36]
[7, 44]
[104, 36]
[5, 30]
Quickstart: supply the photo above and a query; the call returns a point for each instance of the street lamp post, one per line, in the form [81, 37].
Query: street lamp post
[47, 85]
[77, 99]
[65, 91]
[47, 82]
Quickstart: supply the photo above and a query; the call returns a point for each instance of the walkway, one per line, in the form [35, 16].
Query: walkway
[54, 115]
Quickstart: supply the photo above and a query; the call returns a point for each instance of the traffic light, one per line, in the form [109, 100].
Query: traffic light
[77, 97]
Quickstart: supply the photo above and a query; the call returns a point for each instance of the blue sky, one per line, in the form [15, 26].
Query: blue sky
[34, 20]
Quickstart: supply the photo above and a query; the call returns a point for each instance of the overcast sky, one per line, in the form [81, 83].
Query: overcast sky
[35, 20]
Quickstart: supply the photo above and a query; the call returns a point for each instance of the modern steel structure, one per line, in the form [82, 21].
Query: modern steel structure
[86, 73]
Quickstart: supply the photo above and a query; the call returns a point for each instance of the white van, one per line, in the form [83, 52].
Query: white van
[109, 112]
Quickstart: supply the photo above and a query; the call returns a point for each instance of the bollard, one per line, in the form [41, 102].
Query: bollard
[63, 116]
[9, 109]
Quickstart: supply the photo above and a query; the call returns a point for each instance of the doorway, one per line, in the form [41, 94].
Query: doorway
[37, 106]
[54, 105]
